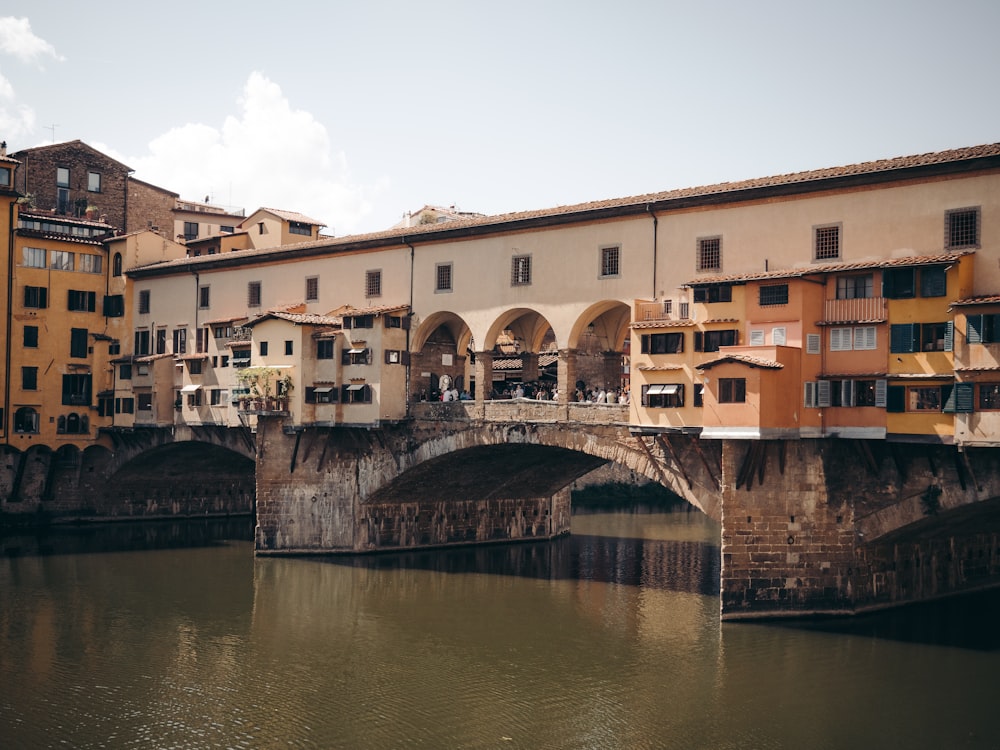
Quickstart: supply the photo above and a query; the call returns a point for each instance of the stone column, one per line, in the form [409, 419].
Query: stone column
[529, 367]
[612, 370]
[484, 380]
[567, 374]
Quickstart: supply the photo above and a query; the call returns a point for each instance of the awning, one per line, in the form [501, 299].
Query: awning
[190, 388]
[664, 390]
[356, 387]
[323, 389]
[356, 351]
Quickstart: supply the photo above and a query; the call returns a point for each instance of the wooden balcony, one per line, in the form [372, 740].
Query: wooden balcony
[862, 310]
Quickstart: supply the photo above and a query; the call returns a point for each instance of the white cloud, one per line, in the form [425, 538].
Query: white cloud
[17, 39]
[267, 155]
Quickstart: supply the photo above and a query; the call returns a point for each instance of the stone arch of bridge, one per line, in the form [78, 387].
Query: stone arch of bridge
[479, 460]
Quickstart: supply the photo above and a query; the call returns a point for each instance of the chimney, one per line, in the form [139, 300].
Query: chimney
[3, 148]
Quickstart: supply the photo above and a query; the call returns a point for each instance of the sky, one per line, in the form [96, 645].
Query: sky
[355, 113]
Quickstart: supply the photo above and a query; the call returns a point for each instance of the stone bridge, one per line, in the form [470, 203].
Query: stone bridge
[807, 526]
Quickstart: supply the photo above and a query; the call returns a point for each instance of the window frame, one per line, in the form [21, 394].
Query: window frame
[826, 242]
[954, 235]
[254, 293]
[520, 269]
[312, 288]
[709, 253]
[732, 390]
[772, 295]
[373, 283]
[610, 259]
[444, 278]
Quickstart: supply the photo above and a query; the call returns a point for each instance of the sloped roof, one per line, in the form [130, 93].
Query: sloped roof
[293, 216]
[861, 265]
[743, 359]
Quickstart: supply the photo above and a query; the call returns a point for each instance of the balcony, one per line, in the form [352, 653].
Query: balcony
[266, 405]
[860, 310]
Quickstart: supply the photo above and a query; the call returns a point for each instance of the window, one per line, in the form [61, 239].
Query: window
[289, 348]
[709, 254]
[859, 286]
[312, 288]
[253, 294]
[190, 230]
[610, 261]
[60, 260]
[813, 343]
[662, 343]
[356, 393]
[442, 277]
[699, 394]
[76, 390]
[827, 245]
[33, 257]
[898, 283]
[93, 182]
[226, 229]
[143, 301]
[982, 329]
[520, 270]
[397, 357]
[710, 341]
[297, 227]
[904, 337]
[321, 394]
[355, 357]
[667, 396]
[989, 396]
[961, 228]
[144, 401]
[773, 294]
[732, 390]
[194, 366]
[73, 424]
[241, 358]
[161, 340]
[62, 177]
[180, 341]
[125, 372]
[78, 342]
[91, 263]
[861, 338]
[204, 297]
[5, 177]
[714, 293]
[373, 283]
[124, 405]
[141, 347]
[757, 337]
[30, 340]
[685, 310]
[29, 378]
[201, 340]
[224, 361]
[359, 321]
[114, 348]
[80, 301]
[933, 281]
[779, 335]
[925, 398]
[26, 420]
[263, 348]
[935, 337]
[324, 349]
[36, 297]
[116, 265]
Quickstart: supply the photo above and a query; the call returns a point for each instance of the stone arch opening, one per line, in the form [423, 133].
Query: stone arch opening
[440, 348]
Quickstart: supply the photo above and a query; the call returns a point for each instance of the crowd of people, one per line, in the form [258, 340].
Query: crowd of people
[535, 390]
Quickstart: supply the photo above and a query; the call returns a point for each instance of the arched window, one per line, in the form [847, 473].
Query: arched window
[116, 265]
[26, 420]
[61, 424]
[73, 423]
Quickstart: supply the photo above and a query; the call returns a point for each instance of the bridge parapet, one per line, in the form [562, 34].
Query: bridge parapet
[522, 410]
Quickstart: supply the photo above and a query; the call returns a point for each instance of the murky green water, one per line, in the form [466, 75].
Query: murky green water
[607, 639]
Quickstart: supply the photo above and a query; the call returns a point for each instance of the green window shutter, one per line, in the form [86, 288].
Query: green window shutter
[949, 336]
[895, 398]
[960, 399]
[974, 329]
[904, 337]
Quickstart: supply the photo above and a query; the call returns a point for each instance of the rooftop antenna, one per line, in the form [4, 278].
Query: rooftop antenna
[53, 129]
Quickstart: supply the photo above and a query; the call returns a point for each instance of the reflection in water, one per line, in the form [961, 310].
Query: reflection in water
[606, 639]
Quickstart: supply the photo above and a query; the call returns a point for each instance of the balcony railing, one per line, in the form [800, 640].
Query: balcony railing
[264, 405]
[864, 309]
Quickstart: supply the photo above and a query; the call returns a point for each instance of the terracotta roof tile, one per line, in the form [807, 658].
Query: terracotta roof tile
[645, 324]
[987, 299]
[741, 359]
[824, 268]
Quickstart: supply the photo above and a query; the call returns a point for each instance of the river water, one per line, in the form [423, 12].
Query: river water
[176, 636]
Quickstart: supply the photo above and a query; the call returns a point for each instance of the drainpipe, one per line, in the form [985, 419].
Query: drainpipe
[410, 315]
[656, 225]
